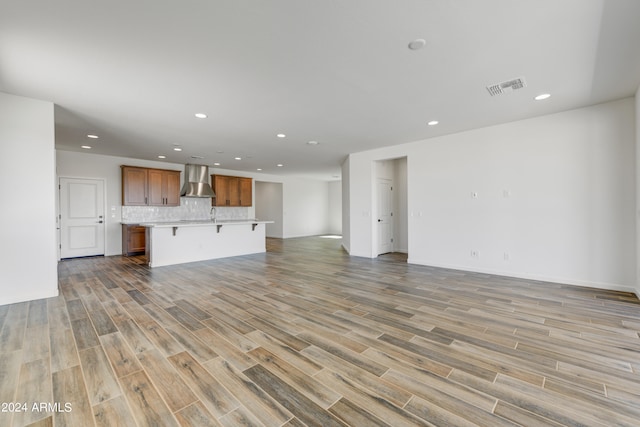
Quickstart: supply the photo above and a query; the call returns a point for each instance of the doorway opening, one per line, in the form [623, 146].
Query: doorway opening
[390, 234]
[269, 205]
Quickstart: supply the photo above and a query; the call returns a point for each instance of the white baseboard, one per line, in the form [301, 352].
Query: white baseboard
[13, 299]
[537, 277]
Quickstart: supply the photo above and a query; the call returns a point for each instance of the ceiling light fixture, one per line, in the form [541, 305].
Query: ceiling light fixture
[542, 96]
[201, 115]
[162, 157]
[259, 169]
[92, 136]
[281, 135]
[177, 149]
[238, 158]
[216, 164]
[279, 165]
[313, 143]
[417, 44]
[433, 123]
[86, 147]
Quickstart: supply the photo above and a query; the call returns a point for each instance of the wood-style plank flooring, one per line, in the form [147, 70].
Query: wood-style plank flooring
[306, 335]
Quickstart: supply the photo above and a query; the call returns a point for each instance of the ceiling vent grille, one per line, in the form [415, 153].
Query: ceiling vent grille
[506, 87]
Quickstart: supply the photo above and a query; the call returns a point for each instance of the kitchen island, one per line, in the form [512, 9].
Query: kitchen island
[180, 242]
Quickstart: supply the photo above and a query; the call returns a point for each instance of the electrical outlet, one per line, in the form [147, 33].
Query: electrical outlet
[475, 254]
[474, 194]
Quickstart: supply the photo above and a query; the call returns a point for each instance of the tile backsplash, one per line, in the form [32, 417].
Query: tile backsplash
[190, 209]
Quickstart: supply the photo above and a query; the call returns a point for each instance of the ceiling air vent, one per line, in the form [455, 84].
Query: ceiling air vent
[506, 87]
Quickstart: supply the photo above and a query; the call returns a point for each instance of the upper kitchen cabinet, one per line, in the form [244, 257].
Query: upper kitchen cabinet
[150, 187]
[134, 186]
[245, 190]
[164, 187]
[232, 190]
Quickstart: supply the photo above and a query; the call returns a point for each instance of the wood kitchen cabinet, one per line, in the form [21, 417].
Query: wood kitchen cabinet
[245, 190]
[232, 190]
[134, 186]
[133, 239]
[150, 187]
[164, 187]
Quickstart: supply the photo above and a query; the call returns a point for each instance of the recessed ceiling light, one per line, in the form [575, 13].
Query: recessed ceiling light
[201, 115]
[417, 44]
[313, 143]
[86, 147]
[542, 96]
[259, 169]
[279, 165]
[162, 157]
[92, 136]
[433, 123]
[177, 149]
[238, 158]
[216, 164]
[281, 135]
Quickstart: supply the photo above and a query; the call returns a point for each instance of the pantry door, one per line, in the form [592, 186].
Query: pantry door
[81, 217]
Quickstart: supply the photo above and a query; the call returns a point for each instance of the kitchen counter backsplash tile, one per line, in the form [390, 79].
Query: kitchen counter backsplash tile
[190, 209]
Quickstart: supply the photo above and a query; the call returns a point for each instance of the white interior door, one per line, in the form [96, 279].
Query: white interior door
[385, 216]
[81, 217]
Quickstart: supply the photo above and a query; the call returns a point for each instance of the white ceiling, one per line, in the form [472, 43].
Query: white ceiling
[332, 71]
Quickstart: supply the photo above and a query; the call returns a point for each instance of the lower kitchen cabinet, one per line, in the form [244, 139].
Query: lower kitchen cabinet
[133, 239]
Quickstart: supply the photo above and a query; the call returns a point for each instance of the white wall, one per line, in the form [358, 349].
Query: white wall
[360, 202]
[556, 196]
[346, 211]
[335, 207]
[306, 210]
[28, 261]
[304, 202]
[268, 204]
[638, 192]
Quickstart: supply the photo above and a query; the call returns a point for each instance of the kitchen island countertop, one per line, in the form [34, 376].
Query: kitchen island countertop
[202, 222]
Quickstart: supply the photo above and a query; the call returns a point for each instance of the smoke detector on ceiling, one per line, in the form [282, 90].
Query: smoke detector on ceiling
[506, 87]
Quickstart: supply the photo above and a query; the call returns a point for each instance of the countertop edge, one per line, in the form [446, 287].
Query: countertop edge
[201, 223]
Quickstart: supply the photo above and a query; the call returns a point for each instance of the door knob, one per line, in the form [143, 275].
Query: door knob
[379, 220]
[100, 222]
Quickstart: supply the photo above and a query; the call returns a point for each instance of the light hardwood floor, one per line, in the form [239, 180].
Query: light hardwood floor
[306, 335]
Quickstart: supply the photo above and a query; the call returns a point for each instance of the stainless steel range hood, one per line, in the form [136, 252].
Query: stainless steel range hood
[196, 182]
